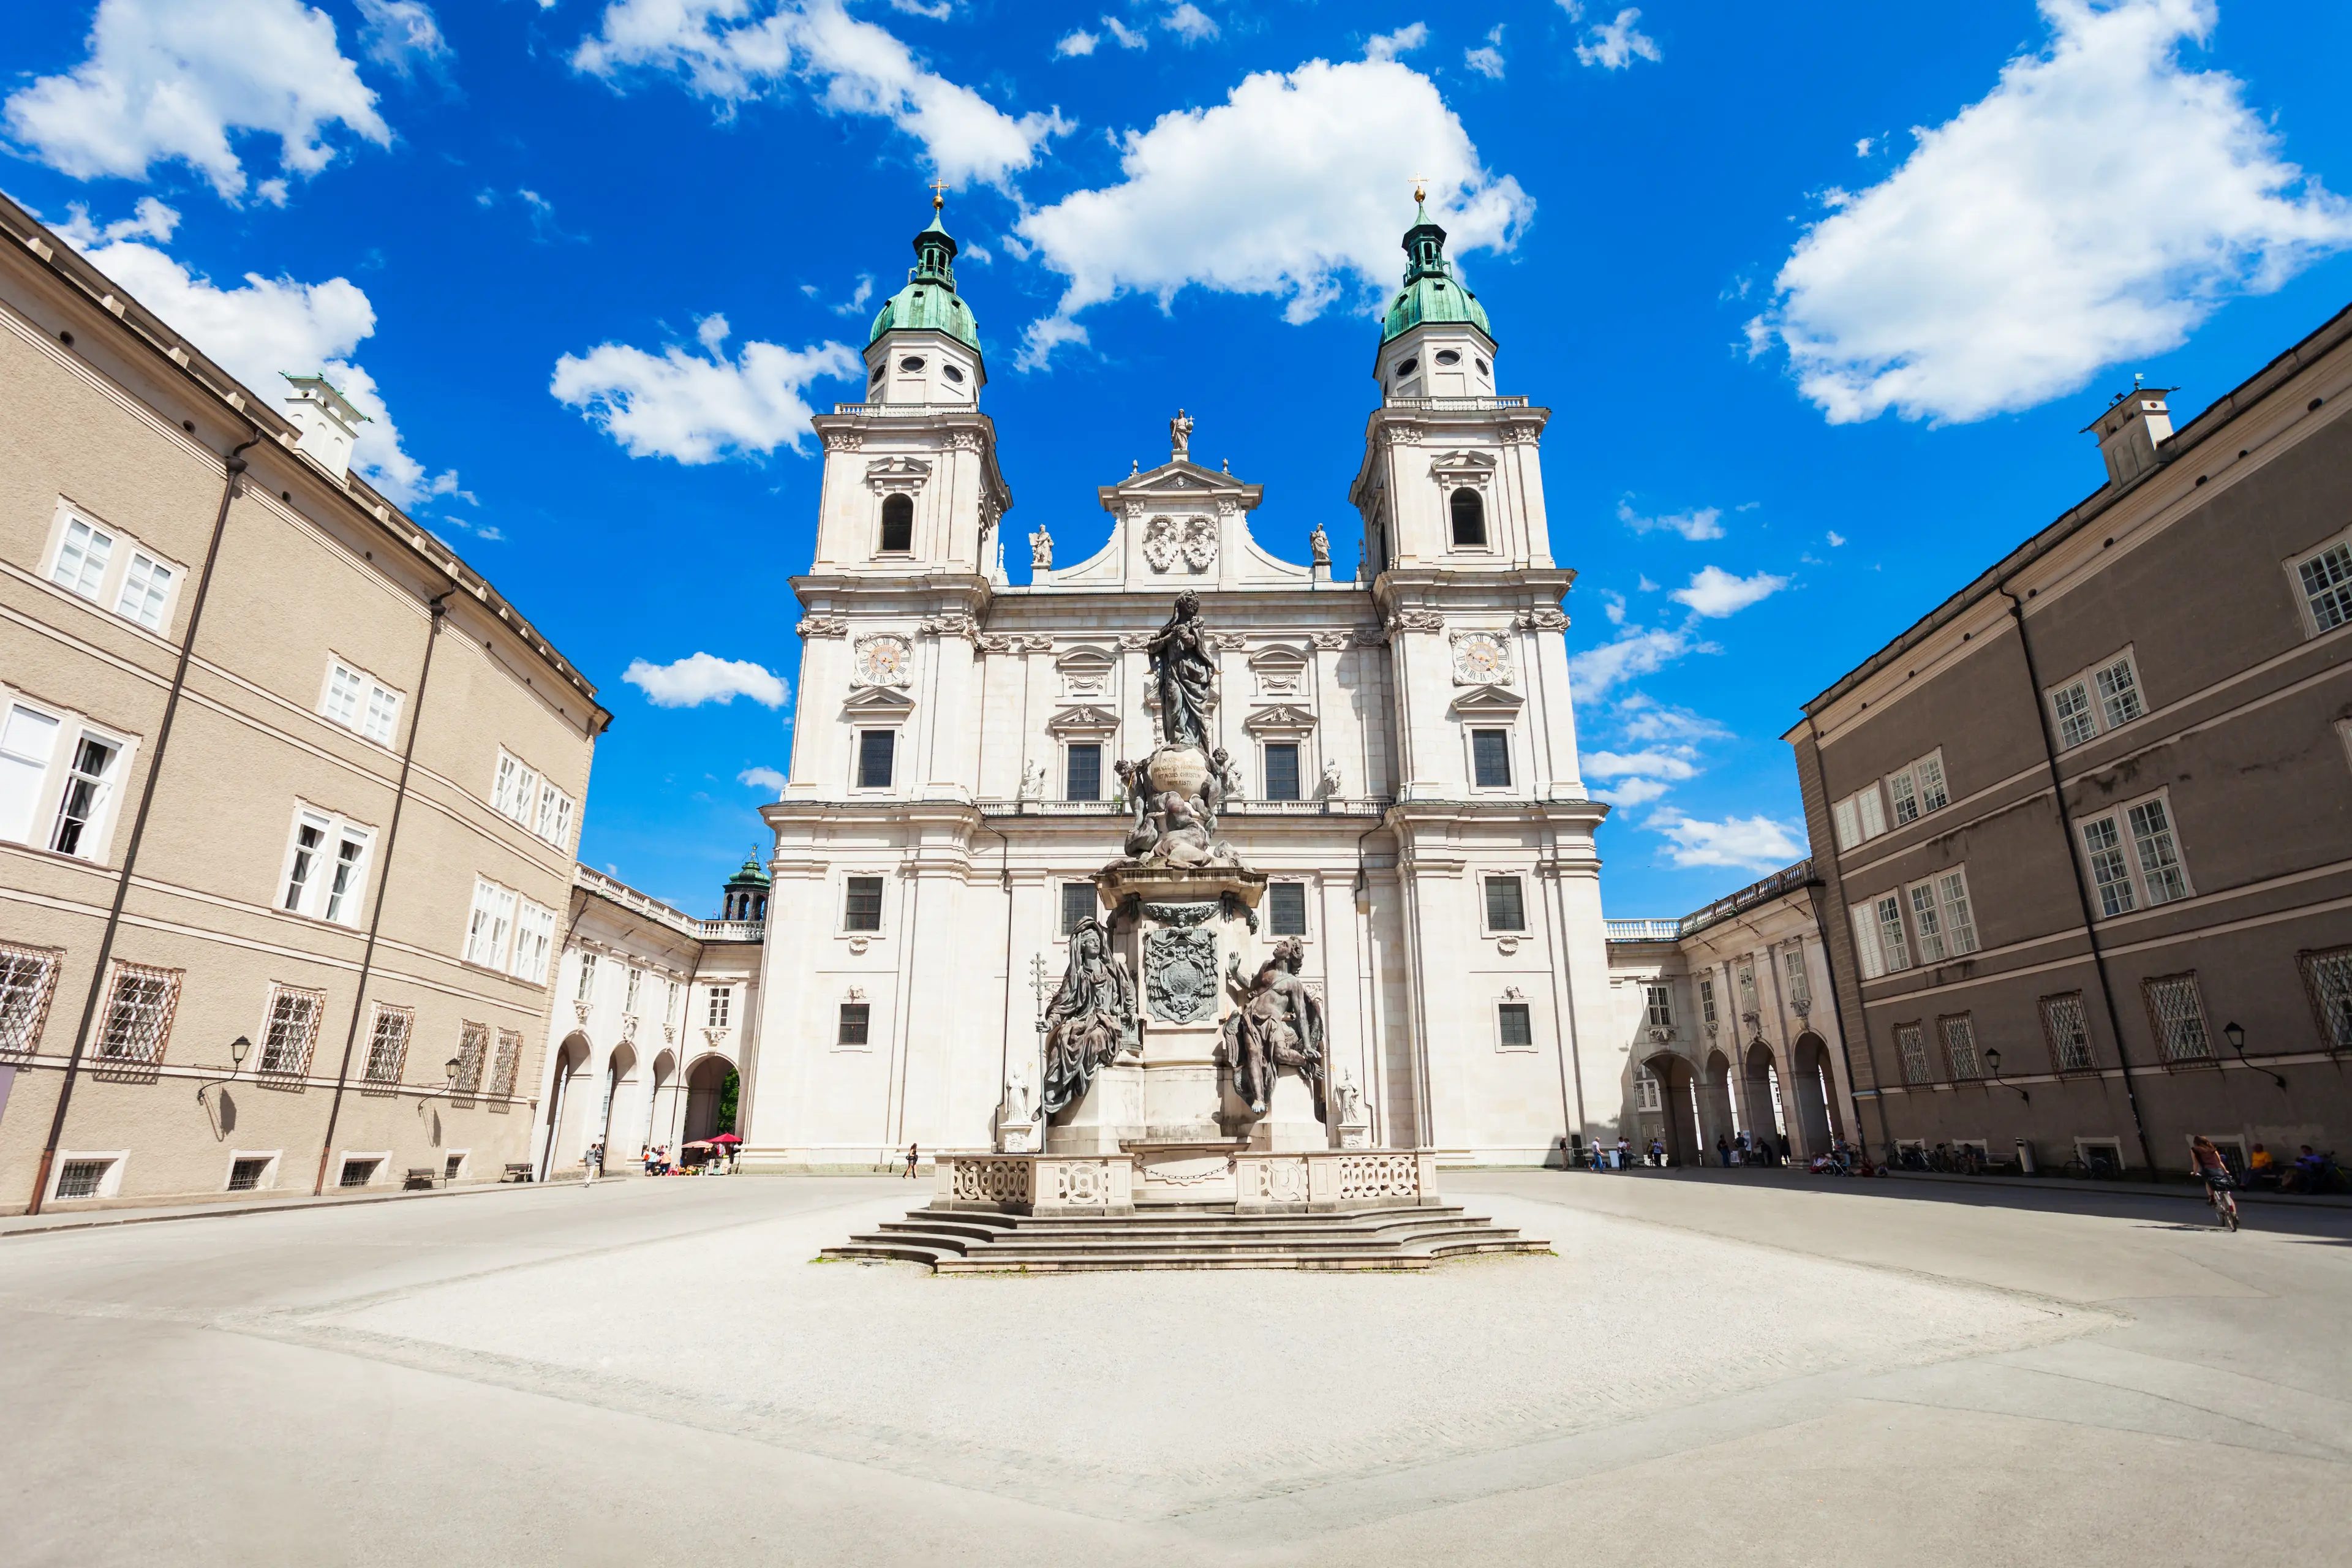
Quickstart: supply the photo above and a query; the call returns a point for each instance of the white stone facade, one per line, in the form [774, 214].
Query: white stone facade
[919, 878]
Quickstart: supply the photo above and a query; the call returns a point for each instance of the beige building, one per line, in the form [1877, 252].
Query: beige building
[288, 793]
[1731, 1024]
[655, 1036]
[2086, 830]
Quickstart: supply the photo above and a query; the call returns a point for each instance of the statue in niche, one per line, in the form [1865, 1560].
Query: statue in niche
[1032, 781]
[1186, 673]
[1091, 1022]
[1347, 1100]
[1329, 788]
[1041, 550]
[1276, 1023]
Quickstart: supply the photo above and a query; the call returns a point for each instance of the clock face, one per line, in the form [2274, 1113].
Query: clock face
[1482, 658]
[883, 661]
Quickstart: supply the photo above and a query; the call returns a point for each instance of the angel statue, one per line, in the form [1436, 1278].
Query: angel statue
[1091, 1020]
[1186, 673]
[1278, 1024]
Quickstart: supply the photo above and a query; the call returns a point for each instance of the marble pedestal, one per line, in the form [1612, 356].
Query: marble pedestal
[1108, 1116]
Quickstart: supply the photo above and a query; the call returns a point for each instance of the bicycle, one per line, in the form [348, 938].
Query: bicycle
[2224, 1202]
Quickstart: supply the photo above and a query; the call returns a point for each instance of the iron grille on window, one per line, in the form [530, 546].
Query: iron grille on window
[292, 1029]
[139, 1007]
[357, 1172]
[82, 1178]
[473, 1045]
[2063, 1024]
[29, 980]
[1911, 1039]
[502, 1074]
[388, 1042]
[1286, 909]
[2328, 977]
[1960, 1046]
[2176, 1011]
[1506, 910]
[244, 1175]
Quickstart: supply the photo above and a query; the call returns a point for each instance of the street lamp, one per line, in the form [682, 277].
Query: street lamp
[1993, 1060]
[236, 1049]
[2237, 1038]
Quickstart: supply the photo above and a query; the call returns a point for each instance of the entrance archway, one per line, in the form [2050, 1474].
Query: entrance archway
[620, 1082]
[1809, 1084]
[1761, 1096]
[1719, 1110]
[1675, 1122]
[570, 1058]
[710, 1109]
[660, 1090]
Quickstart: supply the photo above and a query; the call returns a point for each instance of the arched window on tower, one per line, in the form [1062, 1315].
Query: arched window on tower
[1469, 519]
[898, 525]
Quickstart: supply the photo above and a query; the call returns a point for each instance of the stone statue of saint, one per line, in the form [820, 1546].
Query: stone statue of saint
[1227, 774]
[1041, 550]
[1347, 1100]
[1091, 1020]
[1320, 544]
[1329, 788]
[1278, 1024]
[1032, 781]
[1180, 436]
[1186, 673]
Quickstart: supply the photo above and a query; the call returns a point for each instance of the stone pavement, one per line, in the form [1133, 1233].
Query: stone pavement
[1774, 1366]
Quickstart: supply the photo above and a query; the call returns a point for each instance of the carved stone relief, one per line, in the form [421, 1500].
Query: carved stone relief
[956, 624]
[1190, 540]
[822, 627]
[1544, 620]
[1415, 621]
[1180, 973]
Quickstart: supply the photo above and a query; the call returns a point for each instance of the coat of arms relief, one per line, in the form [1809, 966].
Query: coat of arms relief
[1190, 540]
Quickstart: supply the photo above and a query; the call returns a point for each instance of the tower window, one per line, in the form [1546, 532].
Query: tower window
[1447, 356]
[898, 525]
[912, 364]
[862, 909]
[1484, 368]
[1469, 519]
[1405, 368]
[951, 372]
[874, 757]
[1490, 758]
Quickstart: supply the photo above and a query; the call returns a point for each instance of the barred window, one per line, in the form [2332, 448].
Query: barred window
[510, 1059]
[244, 1174]
[473, 1045]
[28, 980]
[357, 1172]
[388, 1042]
[1911, 1039]
[2328, 977]
[82, 1178]
[2176, 1011]
[2064, 1025]
[291, 1029]
[1961, 1045]
[139, 1008]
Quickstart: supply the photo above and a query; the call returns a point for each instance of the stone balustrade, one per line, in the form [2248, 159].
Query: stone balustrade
[1314, 1181]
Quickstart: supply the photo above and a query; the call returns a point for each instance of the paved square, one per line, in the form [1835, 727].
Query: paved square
[658, 1367]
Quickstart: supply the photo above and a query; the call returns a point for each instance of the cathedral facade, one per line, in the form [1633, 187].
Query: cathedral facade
[1399, 749]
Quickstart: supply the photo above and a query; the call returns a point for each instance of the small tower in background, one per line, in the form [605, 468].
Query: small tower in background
[746, 894]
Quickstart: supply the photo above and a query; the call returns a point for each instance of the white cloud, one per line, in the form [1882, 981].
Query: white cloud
[703, 677]
[1613, 46]
[1862, 148]
[403, 34]
[1749, 842]
[257, 330]
[1643, 718]
[1705, 522]
[1649, 764]
[1190, 23]
[1404, 41]
[768, 779]
[2096, 206]
[1630, 793]
[1575, 9]
[734, 51]
[1129, 37]
[1714, 592]
[1076, 43]
[1487, 59]
[1637, 652]
[1643, 586]
[1613, 606]
[1293, 188]
[699, 409]
[1835, 537]
[173, 80]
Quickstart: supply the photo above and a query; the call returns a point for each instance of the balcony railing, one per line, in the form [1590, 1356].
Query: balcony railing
[1787, 879]
[733, 930]
[1333, 806]
[621, 893]
[1457, 404]
[887, 410]
[1644, 931]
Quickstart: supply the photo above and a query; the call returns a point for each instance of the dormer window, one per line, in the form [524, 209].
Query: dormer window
[1406, 368]
[898, 525]
[1447, 356]
[951, 372]
[1469, 519]
[912, 364]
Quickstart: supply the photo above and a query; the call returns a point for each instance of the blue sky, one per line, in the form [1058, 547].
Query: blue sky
[1821, 298]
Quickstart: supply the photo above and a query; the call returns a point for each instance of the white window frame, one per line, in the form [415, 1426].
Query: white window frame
[106, 594]
[364, 702]
[2294, 565]
[514, 789]
[489, 925]
[49, 795]
[2083, 709]
[31, 976]
[534, 938]
[1943, 916]
[857, 759]
[1796, 978]
[1658, 1004]
[719, 1006]
[882, 917]
[2117, 838]
[321, 899]
[302, 1048]
[1860, 816]
[1306, 908]
[1509, 731]
[123, 603]
[1871, 935]
[552, 821]
[1525, 1005]
[1920, 787]
[1526, 927]
[110, 1186]
[1649, 1090]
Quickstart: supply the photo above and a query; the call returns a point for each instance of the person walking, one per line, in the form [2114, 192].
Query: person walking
[1723, 1150]
[591, 1161]
[911, 1152]
[1624, 1153]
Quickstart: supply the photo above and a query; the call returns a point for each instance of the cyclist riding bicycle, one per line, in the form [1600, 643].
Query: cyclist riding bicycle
[2206, 1163]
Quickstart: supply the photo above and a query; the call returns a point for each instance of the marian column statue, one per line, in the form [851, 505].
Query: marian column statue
[1187, 676]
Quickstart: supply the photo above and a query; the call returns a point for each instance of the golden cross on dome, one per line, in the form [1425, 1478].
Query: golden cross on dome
[939, 195]
[1421, 187]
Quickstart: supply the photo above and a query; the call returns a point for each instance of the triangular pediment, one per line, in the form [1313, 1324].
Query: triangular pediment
[1489, 700]
[1180, 480]
[875, 700]
[1281, 718]
[1083, 717]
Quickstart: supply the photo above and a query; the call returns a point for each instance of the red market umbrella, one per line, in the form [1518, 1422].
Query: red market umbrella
[727, 1138]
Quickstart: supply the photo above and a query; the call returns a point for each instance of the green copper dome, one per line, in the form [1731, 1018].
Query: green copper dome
[750, 875]
[929, 301]
[1430, 294]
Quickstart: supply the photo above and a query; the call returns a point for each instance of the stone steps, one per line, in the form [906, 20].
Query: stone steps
[1194, 1236]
